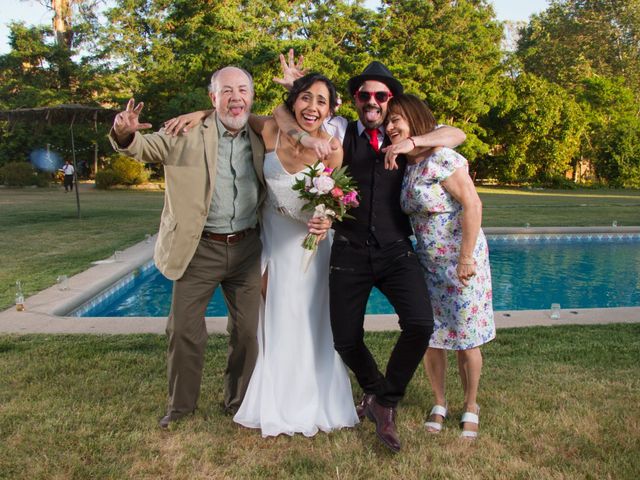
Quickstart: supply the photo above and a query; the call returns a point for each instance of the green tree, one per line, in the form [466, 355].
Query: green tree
[448, 53]
[336, 38]
[569, 94]
[573, 39]
[538, 128]
[37, 72]
[27, 75]
[613, 140]
[592, 49]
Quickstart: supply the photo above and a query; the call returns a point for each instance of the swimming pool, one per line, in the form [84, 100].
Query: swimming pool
[529, 272]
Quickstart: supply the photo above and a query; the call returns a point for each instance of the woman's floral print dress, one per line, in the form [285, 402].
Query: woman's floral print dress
[463, 315]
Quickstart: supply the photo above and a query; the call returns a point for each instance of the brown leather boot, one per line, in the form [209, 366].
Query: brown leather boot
[362, 406]
[385, 420]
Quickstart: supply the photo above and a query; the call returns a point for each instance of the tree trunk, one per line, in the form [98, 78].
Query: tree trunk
[62, 21]
[577, 165]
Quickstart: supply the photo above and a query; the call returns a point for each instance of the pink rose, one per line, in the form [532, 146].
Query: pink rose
[351, 199]
[337, 192]
[327, 170]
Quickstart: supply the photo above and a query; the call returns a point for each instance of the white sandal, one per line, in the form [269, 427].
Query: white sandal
[470, 417]
[436, 427]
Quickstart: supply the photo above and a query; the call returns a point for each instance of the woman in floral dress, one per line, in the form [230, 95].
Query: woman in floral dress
[446, 213]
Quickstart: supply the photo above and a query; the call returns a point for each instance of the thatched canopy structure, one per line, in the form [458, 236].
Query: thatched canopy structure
[68, 113]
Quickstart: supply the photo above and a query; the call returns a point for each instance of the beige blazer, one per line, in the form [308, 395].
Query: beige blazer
[190, 174]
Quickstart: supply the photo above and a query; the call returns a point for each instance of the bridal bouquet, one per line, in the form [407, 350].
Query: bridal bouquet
[329, 193]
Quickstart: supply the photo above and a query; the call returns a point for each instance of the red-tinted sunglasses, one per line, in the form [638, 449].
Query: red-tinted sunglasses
[381, 97]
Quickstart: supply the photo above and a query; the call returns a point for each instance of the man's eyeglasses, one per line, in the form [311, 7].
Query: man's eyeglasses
[381, 97]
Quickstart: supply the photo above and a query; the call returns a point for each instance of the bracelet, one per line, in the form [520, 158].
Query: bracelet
[466, 257]
[301, 135]
[412, 141]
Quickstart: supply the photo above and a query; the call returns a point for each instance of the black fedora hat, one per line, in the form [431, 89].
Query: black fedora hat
[375, 71]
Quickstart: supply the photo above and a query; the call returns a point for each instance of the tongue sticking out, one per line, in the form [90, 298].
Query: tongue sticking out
[372, 115]
[235, 111]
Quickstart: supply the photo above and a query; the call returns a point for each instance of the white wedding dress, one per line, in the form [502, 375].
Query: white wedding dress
[299, 384]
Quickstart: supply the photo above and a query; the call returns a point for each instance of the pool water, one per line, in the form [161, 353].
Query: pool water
[595, 275]
[525, 275]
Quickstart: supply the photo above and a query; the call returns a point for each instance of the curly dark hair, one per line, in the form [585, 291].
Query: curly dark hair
[303, 83]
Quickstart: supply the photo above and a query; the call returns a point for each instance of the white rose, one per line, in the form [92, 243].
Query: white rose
[322, 184]
[321, 211]
[308, 182]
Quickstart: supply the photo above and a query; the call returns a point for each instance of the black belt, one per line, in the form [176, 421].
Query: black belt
[228, 238]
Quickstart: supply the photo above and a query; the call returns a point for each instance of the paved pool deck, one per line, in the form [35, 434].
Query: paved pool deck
[45, 312]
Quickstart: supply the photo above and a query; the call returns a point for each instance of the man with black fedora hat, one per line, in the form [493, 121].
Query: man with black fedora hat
[373, 250]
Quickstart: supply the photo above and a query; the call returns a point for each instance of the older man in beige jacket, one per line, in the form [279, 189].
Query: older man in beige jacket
[208, 233]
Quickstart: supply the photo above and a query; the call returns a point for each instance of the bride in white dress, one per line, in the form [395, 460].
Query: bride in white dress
[299, 384]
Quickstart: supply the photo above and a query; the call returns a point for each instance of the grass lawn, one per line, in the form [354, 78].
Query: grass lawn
[42, 238]
[557, 403]
[512, 207]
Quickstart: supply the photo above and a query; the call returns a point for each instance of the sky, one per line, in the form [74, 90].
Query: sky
[33, 13]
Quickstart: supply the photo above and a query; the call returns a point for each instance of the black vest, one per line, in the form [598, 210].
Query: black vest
[379, 216]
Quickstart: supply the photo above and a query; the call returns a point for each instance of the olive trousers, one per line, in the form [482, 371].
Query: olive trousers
[236, 268]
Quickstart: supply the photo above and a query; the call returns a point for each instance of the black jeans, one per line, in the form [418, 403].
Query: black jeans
[395, 271]
[68, 182]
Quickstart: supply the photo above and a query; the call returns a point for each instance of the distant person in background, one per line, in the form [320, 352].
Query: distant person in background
[446, 214]
[68, 171]
[83, 169]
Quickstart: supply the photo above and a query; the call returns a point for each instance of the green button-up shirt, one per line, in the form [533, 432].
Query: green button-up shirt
[234, 205]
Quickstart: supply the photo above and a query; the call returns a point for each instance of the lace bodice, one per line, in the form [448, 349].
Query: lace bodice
[280, 196]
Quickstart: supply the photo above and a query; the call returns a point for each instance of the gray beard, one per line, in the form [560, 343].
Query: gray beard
[234, 123]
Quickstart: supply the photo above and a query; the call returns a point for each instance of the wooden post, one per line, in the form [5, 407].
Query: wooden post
[95, 159]
[75, 166]
[95, 145]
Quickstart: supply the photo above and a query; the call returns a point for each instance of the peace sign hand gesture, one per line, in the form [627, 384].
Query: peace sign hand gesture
[126, 123]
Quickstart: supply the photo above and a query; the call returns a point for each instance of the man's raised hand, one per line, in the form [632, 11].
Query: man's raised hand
[127, 122]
